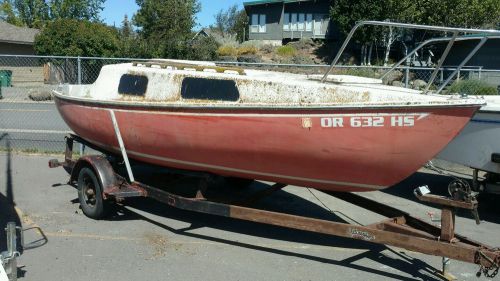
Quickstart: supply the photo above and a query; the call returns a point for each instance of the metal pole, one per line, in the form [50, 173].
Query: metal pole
[79, 63]
[445, 270]
[465, 61]
[344, 45]
[122, 146]
[441, 61]
[12, 249]
[407, 75]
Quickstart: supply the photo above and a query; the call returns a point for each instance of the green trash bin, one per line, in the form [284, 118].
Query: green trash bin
[5, 78]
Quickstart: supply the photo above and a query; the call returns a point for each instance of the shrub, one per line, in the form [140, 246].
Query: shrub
[267, 49]
[472, 87]
[204, 49]
[302, 44]
[302, 59]
[247, 50]
[286, 51]
[249, 58]
[69, 37]
[362, 72]
[227, 50]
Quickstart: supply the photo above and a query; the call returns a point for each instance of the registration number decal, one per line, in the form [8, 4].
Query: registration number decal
[375, 120]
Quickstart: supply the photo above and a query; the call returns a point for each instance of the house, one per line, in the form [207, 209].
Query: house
[203, 33]
[15, 40]
[275, 21]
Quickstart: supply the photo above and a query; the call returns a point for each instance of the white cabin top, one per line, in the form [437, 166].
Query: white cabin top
[139, 83]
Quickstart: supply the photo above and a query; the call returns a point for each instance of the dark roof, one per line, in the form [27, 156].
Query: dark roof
[15, 34]
[260, 2]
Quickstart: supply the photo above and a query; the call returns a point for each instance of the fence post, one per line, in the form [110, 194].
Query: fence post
[407, 76]
[79, 63]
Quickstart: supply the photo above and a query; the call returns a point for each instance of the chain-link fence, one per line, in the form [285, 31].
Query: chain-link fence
[29, 120]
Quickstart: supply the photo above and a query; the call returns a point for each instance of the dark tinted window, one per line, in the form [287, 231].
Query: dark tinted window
[133, 85]
[209, 89]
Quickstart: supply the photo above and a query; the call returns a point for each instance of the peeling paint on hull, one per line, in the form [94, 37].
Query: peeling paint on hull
[274, 145]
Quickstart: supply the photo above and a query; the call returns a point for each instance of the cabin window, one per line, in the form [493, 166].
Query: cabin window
[209, 89]
[134, 85]
[262, 23]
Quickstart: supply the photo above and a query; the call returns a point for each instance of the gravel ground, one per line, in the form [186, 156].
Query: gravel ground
[146, 240]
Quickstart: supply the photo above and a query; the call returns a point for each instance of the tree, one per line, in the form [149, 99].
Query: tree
[8, 14]
[232, 22]
[462, 13]
[36, 13]
[347, 12]
[203, 48]
[76, 9]
[166, 25]
[69, 37]
[33, 13]
[126, 29]
[130, 44]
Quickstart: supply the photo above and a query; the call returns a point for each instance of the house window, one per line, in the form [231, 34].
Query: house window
[262, 23]
[301, 24]
[294, 22]
[258, 23]
[254, 27]
[309, 19]
[286, 22]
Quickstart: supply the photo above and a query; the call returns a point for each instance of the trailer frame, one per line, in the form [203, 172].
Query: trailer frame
[400, 229]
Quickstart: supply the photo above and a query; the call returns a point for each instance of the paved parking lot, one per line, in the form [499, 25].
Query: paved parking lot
[149, 241]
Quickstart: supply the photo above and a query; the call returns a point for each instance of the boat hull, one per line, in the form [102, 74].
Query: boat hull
[474, 146]
[340, 149]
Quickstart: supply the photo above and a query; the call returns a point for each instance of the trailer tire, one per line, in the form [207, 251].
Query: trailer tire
[90, 194]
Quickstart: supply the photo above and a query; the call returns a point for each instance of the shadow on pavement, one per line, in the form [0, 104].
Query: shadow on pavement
[285, 202]
[489, 207]
[7, 203]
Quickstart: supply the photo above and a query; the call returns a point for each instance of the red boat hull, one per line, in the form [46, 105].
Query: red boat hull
[336, 149]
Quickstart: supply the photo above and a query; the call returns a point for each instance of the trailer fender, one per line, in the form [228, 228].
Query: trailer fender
[102, 168]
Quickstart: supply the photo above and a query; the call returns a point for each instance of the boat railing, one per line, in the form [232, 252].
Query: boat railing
[482, 35]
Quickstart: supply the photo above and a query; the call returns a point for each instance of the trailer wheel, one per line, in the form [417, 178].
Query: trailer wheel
[90, 194]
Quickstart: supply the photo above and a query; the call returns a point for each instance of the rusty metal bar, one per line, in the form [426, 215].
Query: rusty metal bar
[411, 240]
[443, 201]
[447, 224]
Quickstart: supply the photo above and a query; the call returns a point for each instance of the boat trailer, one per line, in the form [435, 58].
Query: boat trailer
[98, 183]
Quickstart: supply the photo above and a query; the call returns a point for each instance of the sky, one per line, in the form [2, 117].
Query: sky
[115, 10]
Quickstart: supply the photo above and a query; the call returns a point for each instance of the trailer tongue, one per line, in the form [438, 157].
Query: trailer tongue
[99, 183]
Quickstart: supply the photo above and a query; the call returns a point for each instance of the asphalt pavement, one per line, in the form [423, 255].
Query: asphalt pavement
[145, 240]
[30, 125]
